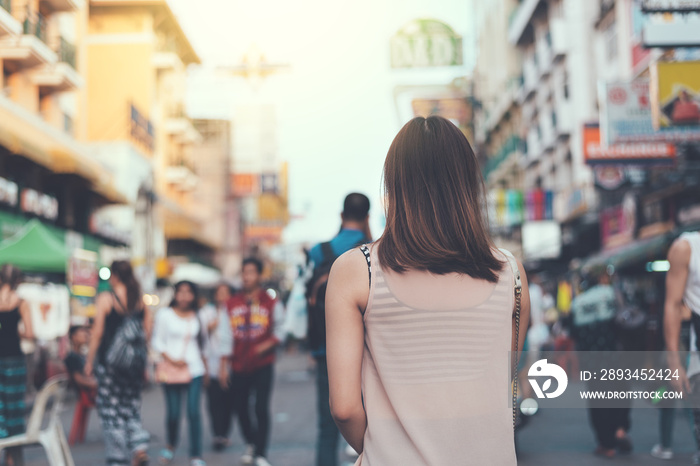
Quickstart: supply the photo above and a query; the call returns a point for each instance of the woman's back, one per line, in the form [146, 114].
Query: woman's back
[435, 370]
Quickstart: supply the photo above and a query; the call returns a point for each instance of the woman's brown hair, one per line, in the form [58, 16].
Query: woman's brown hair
[434, 204]
[123, 271]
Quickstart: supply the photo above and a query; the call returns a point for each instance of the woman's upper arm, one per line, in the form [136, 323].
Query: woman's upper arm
[26, 315]
[102, 307]
[346, 296]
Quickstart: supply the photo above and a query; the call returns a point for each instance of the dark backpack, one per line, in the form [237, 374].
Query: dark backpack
[316, 297]
[127, 356]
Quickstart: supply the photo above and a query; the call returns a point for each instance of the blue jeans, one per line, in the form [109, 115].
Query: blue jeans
[328, 433]
[173, 403]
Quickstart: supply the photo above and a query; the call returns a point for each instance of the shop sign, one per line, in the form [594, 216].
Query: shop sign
[617, 226]
[426, 43]
[245, 184]
[541, 240]
[610, 177]
[105, 228]
[670, 6]
[8, 192]
[675, 98]
[624, 153]
[82, 274]
[39, 204]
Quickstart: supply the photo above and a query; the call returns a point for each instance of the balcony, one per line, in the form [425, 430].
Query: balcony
[530, 77]
[548, 135]
[141, 130]
[166, 56]
[534, 149]
[557, 28]
[502, 106]
[181, 175]
[507, 152]
[61, 76]
[565, 120]
[179, 125]
[544, 54]
[64, 5]
[521, 20]
[29, 49]
[8, 24]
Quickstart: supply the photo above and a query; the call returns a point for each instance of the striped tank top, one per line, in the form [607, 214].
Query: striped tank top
[435, 378]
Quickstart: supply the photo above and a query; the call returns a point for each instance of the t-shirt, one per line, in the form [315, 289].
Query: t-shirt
[177, 337]
[212, 348]
[593, 319]
[343, 241]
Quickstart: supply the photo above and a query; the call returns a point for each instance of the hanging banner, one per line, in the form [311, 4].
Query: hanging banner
[675, 99]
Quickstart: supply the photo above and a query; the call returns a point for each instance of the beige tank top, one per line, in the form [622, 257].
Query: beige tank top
[435, 370]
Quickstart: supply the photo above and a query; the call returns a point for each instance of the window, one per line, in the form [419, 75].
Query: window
[566, 86]
[554, 119]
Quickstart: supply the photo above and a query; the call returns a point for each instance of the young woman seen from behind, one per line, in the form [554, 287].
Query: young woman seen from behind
[420, 324]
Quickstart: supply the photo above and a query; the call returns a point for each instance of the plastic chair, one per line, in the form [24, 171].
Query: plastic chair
[80, 417]
[52, 438]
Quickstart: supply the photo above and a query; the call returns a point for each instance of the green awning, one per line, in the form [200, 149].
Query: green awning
[35, 249]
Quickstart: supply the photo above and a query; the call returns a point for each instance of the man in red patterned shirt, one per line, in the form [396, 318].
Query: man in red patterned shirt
[256, 320]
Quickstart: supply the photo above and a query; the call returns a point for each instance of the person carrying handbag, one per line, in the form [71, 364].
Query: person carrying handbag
[117, 351]
[178, 339]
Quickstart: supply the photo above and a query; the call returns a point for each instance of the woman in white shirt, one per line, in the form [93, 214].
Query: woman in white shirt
[215, 320]
[178, 337]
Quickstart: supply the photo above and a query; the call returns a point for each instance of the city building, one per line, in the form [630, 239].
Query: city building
[136, 123]
[45, 173]
[557, 95]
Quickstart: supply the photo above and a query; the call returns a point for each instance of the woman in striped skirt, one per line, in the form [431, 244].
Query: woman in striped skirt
[13, 369]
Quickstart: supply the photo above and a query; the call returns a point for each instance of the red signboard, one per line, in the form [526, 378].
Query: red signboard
[637, 152]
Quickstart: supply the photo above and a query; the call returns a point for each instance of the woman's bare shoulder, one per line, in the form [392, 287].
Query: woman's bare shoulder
[351, 262]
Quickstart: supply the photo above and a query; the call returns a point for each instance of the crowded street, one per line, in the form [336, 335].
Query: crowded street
[378, 233]
[551, 434]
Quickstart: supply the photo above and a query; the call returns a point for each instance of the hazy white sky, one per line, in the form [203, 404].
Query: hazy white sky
[336, 112]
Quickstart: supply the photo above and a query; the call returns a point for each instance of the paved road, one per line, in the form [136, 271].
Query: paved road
[554, 437]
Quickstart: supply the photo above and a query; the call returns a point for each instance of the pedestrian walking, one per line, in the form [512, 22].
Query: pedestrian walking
[683, 286]
[354, 231]
[256, 323]
[219, 400]
[179, 340]
[593, 329]
[13, 368]
[117, 357]
[420, 324]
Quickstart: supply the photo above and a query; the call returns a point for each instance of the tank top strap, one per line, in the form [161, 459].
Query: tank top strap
[368, 257]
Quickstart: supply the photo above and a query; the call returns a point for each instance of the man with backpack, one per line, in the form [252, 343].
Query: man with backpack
[354, 231]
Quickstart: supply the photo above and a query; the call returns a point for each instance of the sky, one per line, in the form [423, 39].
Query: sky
[335, 108]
